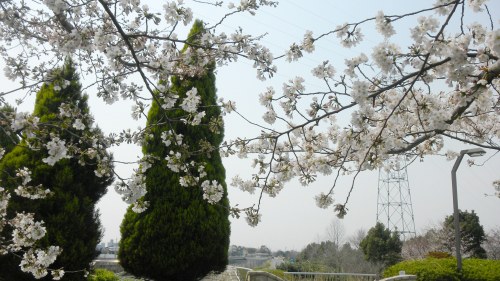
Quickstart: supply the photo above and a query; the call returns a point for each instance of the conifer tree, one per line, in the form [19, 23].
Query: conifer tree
[180, 236]
[76, 181]
[381, 246]
[471, 233]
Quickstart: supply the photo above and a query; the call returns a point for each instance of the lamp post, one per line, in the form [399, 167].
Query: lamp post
[474, 152]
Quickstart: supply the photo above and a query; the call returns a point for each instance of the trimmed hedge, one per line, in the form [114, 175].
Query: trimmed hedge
[432, 269]
[103, 275]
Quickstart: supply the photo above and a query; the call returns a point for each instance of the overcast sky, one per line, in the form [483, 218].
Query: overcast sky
[292, 220]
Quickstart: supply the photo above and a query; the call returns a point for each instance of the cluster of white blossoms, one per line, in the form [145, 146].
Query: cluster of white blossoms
[354, 63]
[57, 150]
[168, 138]
[37, 261]
[191, 101]
[252, 216]
[28, 191]
[324, 71]
[394, 99]
[384, 25]
[212, 191]
[496, 185]
[4, 201]
[133, 189]
[175, 12]
[394, 112]
[247, 186]
[324, 200]
[24, 121]
[384, 56]
[349, 37]
[26, 231]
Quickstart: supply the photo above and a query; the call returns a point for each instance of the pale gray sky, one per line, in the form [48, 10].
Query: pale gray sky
[292, 220]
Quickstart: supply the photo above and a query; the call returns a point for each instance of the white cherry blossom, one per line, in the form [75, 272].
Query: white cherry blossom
[395, 100]
[384, 25]
[57, 150]
[191, 101]
[212, 191]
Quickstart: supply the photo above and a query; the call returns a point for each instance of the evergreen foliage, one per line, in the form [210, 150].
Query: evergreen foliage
[69, 214]
[471, 233]
[431, 269]
[381, 245]
[180, 236]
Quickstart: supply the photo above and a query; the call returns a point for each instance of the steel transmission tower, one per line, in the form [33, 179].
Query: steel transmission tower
[394, 208]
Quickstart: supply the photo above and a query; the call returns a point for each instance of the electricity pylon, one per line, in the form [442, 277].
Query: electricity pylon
[394, 207]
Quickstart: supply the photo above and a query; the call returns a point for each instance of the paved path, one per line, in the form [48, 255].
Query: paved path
[229, 275]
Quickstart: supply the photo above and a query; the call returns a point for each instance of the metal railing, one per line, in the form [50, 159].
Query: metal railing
[321, 276]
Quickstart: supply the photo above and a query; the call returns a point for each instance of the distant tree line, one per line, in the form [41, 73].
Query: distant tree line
[372, 251]
[240, 251]
[333, 255]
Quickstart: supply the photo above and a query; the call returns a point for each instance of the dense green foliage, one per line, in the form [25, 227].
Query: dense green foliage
[381, 245]
[471, 234]
[431, 269]
[69, 214]
[180, 236]
[100, 274]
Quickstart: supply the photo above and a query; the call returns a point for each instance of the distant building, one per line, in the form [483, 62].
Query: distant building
[108, 252]
[248, 257]
[100, 247]
[108, 256]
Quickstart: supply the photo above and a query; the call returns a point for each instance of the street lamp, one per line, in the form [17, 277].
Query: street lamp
[474, 152]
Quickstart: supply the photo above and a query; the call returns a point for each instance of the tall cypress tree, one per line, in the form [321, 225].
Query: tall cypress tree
[69, 214]
[180, 236]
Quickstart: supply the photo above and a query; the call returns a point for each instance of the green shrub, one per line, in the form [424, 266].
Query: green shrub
[102, 275]
[481, 270]
[428, 269]
[431, 269]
